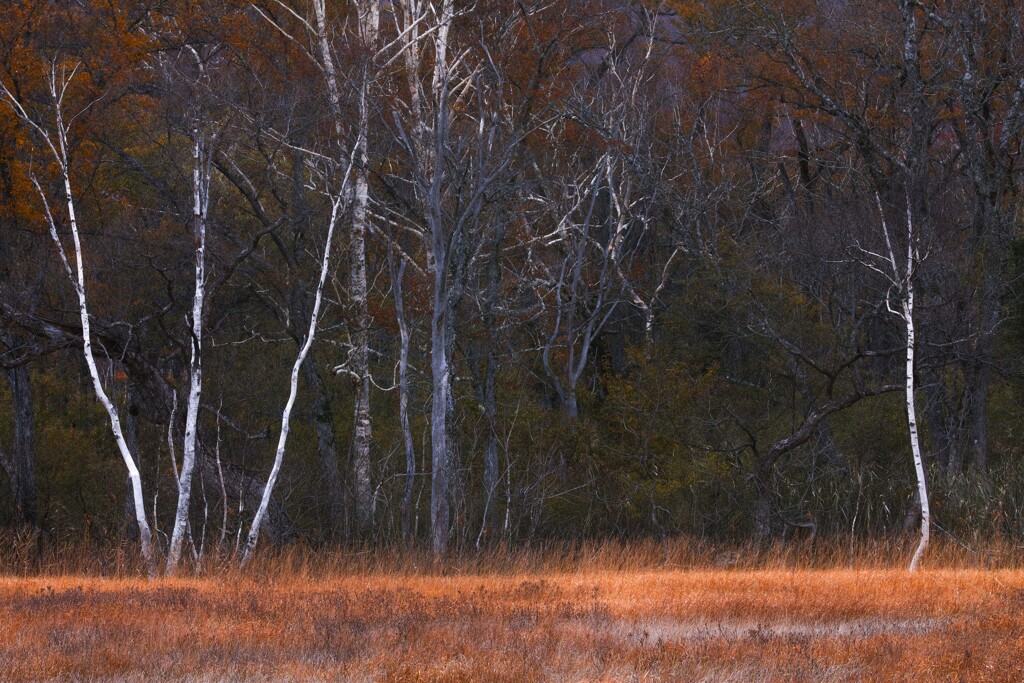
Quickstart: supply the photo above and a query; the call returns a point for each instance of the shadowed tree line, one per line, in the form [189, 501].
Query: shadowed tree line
[428, 273]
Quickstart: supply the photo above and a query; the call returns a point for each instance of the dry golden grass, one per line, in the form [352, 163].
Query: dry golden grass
[292, 620]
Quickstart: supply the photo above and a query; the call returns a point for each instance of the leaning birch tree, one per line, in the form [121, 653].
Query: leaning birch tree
[322, 53]
[337, 202]
[54, 143]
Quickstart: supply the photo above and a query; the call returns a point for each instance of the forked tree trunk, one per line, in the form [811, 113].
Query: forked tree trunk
[492, 473]
[201, 159]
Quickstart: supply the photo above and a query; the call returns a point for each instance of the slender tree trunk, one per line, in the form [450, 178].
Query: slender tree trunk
[456, 473]
[403, 395]
[441, 388]
[360, 336]
[915, 446]
[131, 435]
[442, 327]
[145, 535]
[363, 432]
[254, 530]
[492, 472]
[322, 407]
[20, 468]
[430, 112]
[201, 158]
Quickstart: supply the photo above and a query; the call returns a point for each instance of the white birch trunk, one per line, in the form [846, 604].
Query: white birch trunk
[145, 536]
[915, 446]
[440, 323]
[77, 278]
[904, 282]
[200, 204]
[369, 18]
[261, 511]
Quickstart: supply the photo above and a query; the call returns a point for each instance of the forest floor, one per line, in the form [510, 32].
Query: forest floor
[610, 625]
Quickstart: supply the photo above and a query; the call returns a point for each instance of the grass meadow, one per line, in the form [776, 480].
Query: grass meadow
[633, 612]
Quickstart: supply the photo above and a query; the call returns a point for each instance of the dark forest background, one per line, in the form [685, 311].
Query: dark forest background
[664, 310]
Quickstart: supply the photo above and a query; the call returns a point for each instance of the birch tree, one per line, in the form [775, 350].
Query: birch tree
[900, 273]
[53, 142]
[202, 156]
[368, 29]
[337, 202]
[368, 17]
[365, 41]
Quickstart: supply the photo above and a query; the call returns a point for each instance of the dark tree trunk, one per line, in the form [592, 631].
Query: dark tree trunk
[492, 475]
[978, 372]
[327, 451]
[939, 414]
[20, 466]
[762, 508]
[976, 408]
